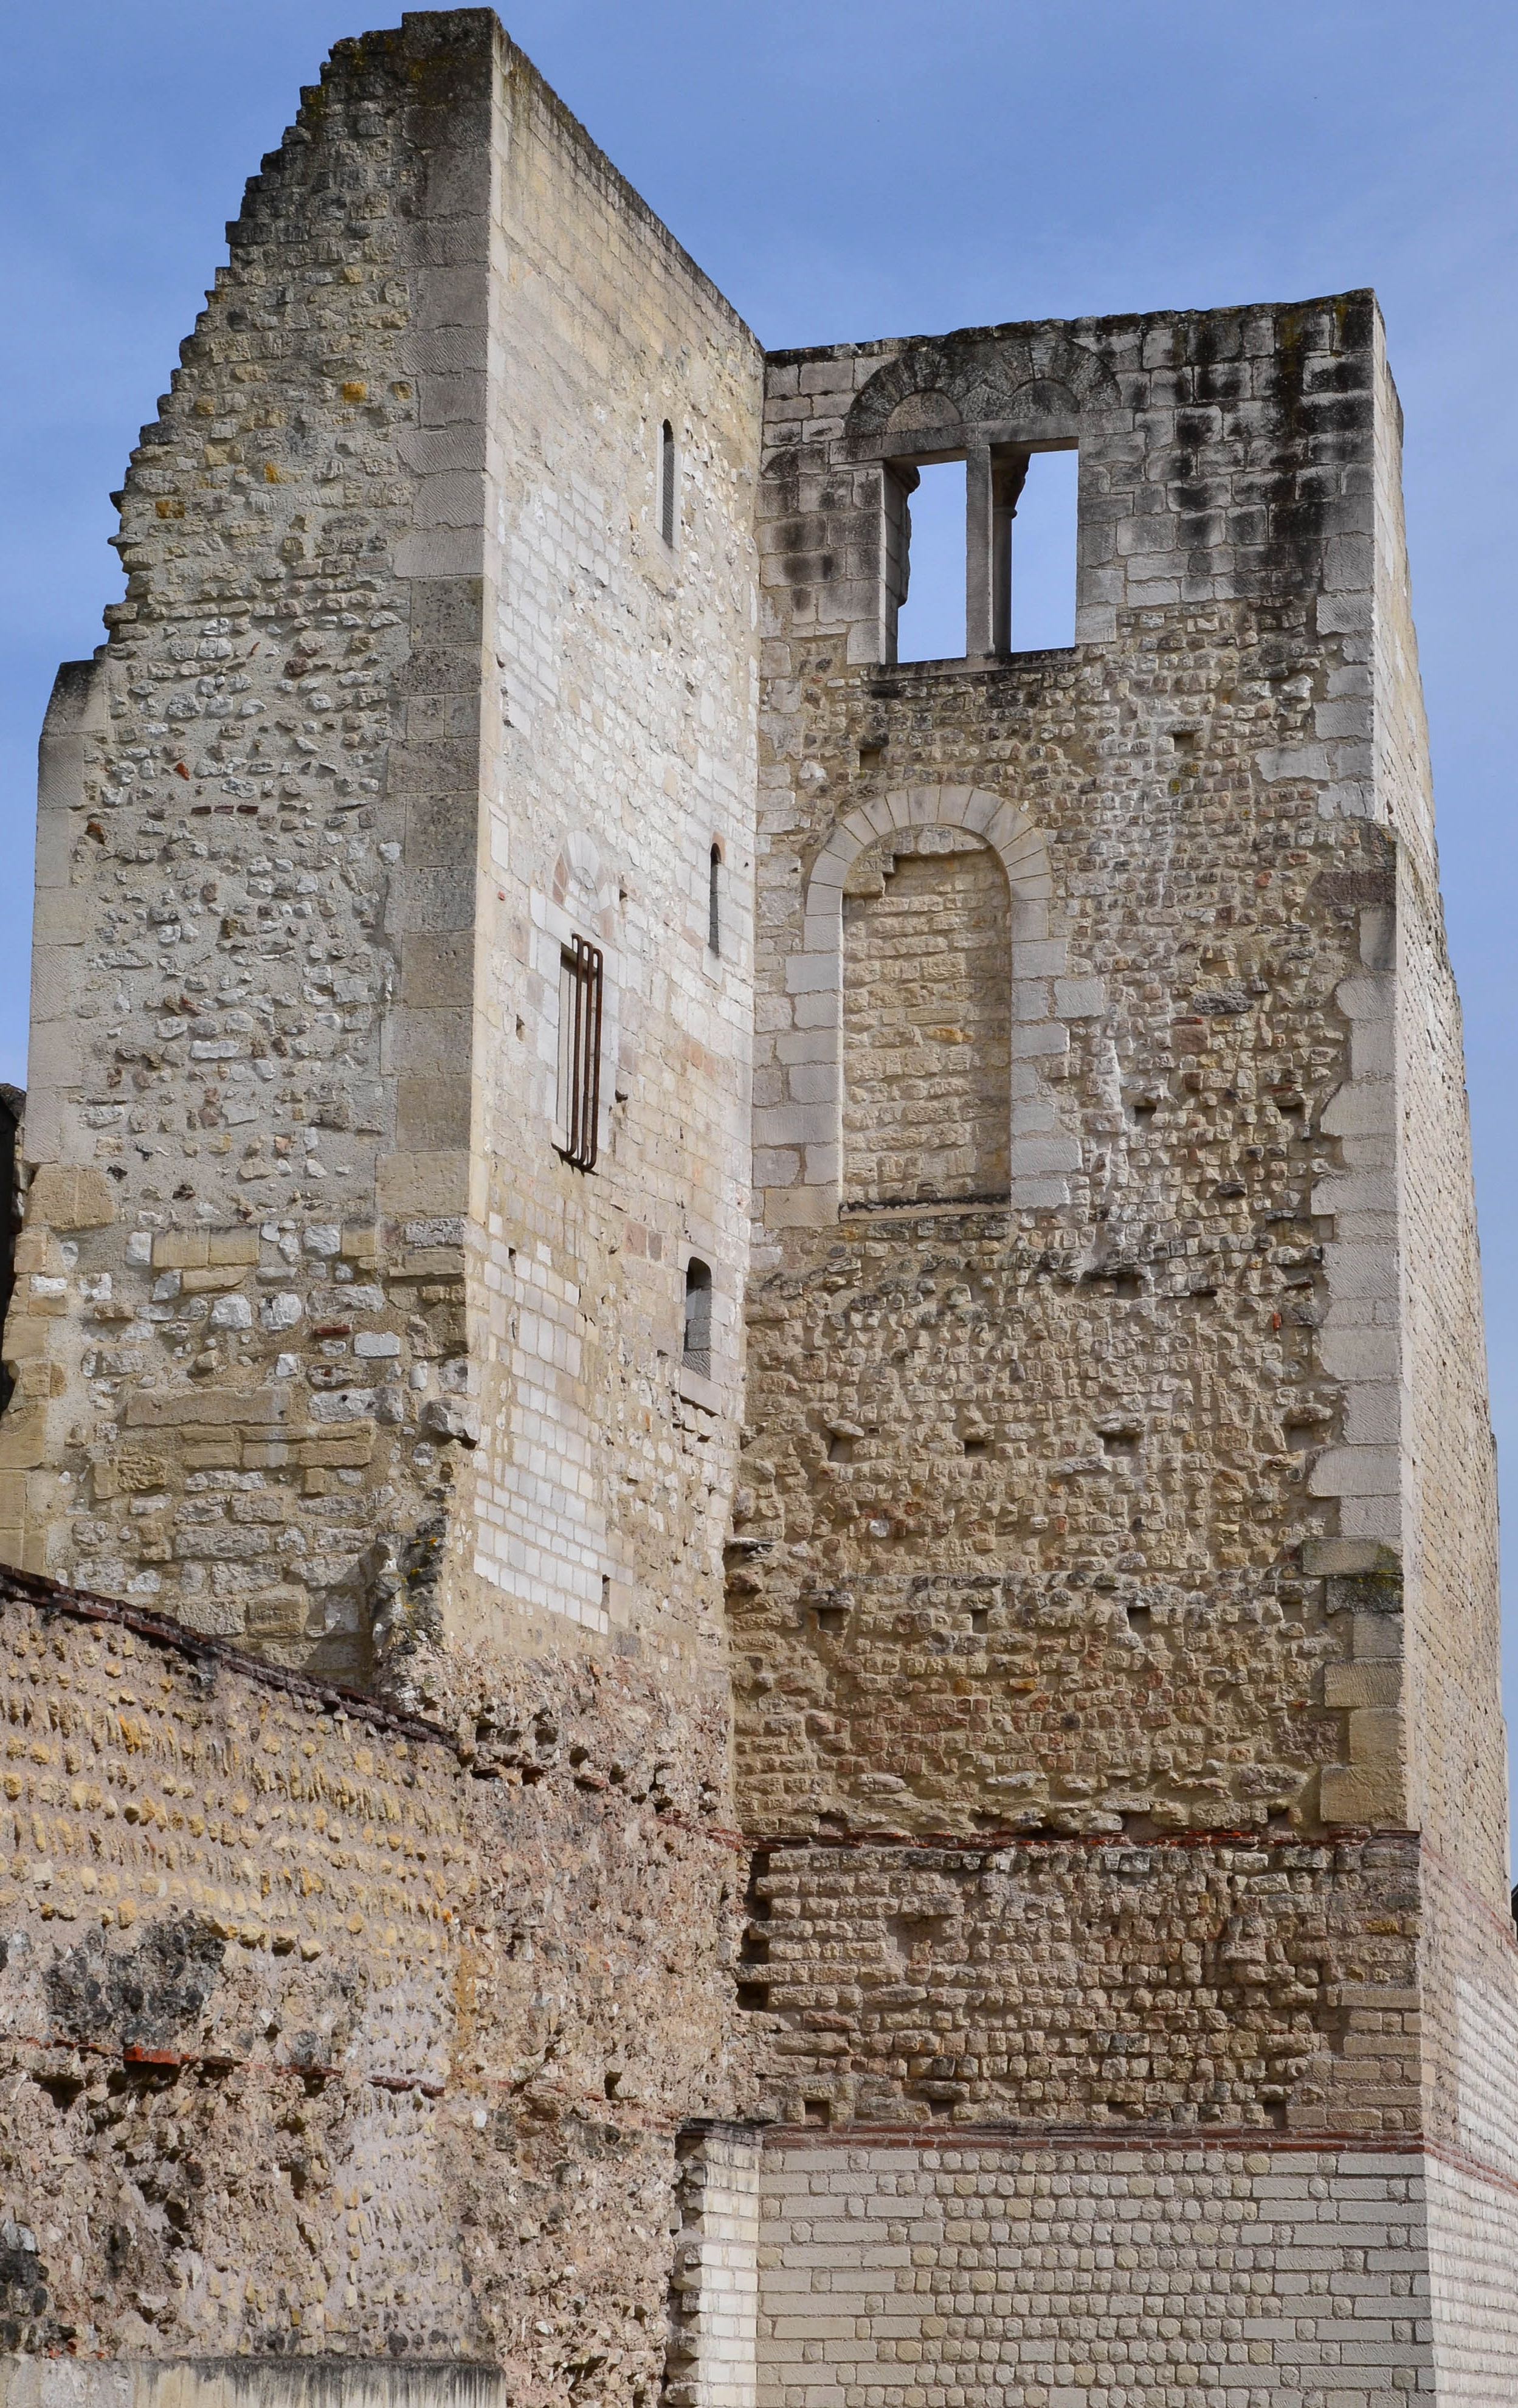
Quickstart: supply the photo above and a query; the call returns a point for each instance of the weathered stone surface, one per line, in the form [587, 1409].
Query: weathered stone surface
[1028, 1925]
[346, 2006]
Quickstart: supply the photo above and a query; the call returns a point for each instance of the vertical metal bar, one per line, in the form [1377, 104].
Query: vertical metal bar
[577, 1134]
[582, 1113]
[577, 981]
[594, 1082]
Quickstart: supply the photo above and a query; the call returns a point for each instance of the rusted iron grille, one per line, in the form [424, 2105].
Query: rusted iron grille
[582, 1100]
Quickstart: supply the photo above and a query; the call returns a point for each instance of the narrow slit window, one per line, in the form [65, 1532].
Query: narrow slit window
[714, 901]
[930, 622]
[666, 484]
[580, 1052]
[696, 1355]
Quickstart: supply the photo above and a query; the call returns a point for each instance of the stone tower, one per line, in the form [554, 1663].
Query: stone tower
[553, 1051]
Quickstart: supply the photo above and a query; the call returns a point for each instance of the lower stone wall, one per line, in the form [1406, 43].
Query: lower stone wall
[1000, 2275]
[1080, 1983]
[1473, 2271]
[1467, 1967]
[329, 2035]
[245, 2383]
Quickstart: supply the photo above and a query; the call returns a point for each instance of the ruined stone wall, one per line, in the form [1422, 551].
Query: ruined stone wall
[1059, 1576]
[1071, 1538]
[1456, 1738]
[326, 2036]
[221, 1358]
[1052, 1983]
[299, 1235]
[325, 1350]
[1458, 1743]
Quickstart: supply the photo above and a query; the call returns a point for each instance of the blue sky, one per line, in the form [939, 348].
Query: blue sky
[855, 168]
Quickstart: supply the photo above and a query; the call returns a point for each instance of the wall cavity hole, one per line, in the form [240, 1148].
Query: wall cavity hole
[839, 1448]
[976, 1449]
[831, 1619]
[817, 2110]
[1141, 1621]
[980, 1617]
[754, 1997]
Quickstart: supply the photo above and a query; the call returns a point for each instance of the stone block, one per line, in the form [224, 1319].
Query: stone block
[181, 1249]
[1377, 1683]
[432, 1121]
[70, 1196]
[1365, 1795]
[351, 1448]
[228, 1246]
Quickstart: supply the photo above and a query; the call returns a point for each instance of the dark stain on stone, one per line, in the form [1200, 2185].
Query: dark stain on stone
[27, 2325]
[140, 1997]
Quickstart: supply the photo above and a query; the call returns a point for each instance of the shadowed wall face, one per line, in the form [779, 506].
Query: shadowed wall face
[926, 1024]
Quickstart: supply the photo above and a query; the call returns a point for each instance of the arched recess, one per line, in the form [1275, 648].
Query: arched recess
[803, 1140]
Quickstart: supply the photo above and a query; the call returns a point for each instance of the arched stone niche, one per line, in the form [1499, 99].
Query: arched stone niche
[799, 1164]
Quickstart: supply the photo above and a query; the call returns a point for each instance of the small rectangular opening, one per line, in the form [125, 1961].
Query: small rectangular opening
[668, 490]
[930, 623]
[696, 1353]
[1043, 554]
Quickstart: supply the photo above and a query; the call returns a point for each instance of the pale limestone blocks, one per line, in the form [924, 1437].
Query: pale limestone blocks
[714, 2283]
[1359, 1343]
[541, 1529]
[881, 2262]
[1360, 1347]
